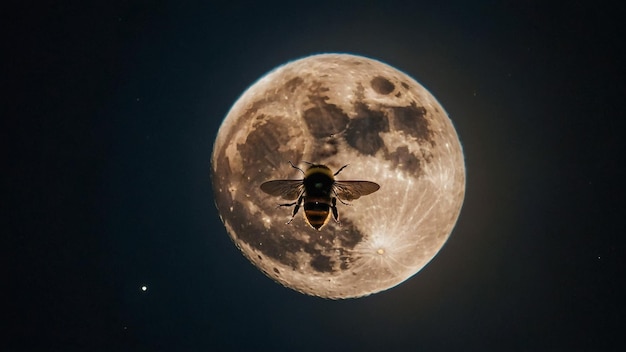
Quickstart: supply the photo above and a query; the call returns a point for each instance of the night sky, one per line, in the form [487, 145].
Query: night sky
[109, 112]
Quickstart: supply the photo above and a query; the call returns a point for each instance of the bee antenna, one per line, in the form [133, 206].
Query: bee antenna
[338, 171]
[295, 167]
[307, 162]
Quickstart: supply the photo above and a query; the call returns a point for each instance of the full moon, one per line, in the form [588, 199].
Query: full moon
[338, 109]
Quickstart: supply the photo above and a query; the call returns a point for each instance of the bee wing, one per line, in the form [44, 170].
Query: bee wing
[287, 189]
[349, 190]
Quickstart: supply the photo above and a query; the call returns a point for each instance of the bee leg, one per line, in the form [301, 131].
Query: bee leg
[333, 206]
[295, 210]
[287, 205]
[342, 202]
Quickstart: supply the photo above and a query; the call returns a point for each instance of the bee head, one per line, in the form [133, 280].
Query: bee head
[318, 169]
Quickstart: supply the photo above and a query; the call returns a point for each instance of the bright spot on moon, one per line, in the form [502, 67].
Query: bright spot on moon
[337, 109]
[144, 288]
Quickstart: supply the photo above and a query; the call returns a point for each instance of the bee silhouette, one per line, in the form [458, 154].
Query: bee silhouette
[318, 192]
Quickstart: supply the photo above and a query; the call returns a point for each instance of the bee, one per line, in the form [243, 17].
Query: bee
[318, 192]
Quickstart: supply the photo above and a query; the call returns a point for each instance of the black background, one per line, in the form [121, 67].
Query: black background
[109, 112]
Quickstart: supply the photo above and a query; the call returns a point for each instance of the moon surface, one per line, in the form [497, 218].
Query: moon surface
[337, 109]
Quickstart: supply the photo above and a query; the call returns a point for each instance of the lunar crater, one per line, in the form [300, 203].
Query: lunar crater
[382, 85]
